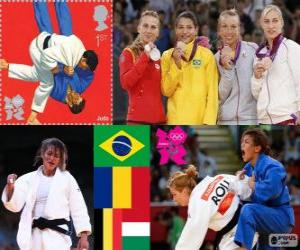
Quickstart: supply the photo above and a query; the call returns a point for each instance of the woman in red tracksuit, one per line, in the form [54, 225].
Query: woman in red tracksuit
[140, 74]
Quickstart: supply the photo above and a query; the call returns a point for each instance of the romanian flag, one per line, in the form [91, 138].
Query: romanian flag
[121, 146]
[121, 187]
[126, 224]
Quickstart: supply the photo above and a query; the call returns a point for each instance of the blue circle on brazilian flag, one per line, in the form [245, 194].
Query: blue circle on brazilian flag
[121, 145]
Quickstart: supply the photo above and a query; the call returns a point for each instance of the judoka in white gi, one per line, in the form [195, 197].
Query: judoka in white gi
[211, 204]
[61, 63]
[52, 193]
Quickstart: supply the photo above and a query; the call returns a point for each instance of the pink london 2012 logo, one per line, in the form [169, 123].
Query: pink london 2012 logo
[170, 145]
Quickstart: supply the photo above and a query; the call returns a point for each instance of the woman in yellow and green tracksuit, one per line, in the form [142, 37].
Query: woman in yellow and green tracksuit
[189, 77]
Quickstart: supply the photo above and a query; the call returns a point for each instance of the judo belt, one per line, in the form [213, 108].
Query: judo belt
[43, 223]
[227, 228]
[46, 41]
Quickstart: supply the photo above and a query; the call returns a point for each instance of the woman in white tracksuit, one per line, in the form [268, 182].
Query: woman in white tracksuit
[211, 204]
[276, 76]
[48, 197]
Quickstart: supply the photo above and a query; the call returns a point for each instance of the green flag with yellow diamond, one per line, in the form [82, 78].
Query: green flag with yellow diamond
[121, 145]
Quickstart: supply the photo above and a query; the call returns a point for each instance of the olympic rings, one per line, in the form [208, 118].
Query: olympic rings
[177, 136]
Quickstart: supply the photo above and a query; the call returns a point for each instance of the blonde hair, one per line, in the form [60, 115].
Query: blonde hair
[269, 8]
[149, 13]
[186, 179]
[229, 13]
[136, 44]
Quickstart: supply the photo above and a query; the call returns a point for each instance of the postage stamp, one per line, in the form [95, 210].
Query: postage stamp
[55, 61]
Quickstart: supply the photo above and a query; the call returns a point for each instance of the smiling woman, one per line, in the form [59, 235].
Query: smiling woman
[48, 196]
[140, 73]
[235, 59]
[189, 76]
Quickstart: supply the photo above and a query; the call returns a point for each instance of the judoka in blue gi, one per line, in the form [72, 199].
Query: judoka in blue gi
[269, 210]
[61, 63]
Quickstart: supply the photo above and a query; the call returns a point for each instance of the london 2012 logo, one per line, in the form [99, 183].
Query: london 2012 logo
[170, 145]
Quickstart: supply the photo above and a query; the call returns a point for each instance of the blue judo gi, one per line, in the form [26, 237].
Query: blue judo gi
[270, 210]
[81, 79]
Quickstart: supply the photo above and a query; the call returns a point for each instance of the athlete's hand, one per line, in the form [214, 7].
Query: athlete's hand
[83, 243]
[251, 182]
[226, 57]
[10, 185]
[55, 70]
[267, 62]
[258, 70]
[11, 180]
[226, 62]
[69, 70]
[177, 54]
[240, 174]
[3, 64]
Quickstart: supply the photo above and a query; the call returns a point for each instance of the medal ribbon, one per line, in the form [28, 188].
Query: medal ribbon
[270, 53]
[237, 52]
[197, 42]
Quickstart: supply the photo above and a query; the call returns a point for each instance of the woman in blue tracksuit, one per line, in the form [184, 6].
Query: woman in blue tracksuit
[270, 210]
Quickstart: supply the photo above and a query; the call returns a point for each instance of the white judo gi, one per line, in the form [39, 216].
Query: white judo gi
[67, 50]
[64, 200]
[211, 205]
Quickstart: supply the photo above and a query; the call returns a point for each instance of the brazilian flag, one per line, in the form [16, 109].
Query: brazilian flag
[116, 145]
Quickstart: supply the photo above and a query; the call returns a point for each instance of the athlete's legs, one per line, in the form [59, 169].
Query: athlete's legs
[64, 18]
[42, 17]
[261, 219]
